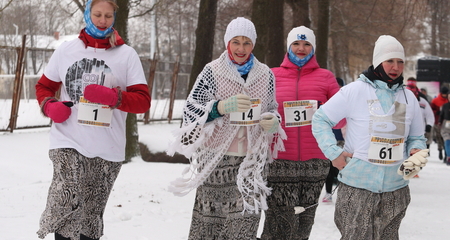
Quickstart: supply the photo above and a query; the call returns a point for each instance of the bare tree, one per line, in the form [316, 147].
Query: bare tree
[204, 38]
[300, 9]
[267, 15]
[322, 32]
[2, 7]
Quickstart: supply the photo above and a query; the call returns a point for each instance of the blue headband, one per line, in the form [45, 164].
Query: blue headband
[91, 29]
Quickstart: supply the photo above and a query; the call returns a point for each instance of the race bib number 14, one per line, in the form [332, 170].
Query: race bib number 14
[248, 118]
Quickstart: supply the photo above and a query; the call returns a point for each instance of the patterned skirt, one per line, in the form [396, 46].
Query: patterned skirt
[362, 214]
[293, 183]
[78, 194]
[218, 207]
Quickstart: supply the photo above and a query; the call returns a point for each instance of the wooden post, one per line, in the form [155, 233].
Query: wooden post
[173, 90]
[151, 79]
[17, 90]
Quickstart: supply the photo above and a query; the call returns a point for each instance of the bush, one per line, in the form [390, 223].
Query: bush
[148, 156]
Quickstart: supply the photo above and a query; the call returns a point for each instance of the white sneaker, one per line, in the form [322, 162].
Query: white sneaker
[328, 198]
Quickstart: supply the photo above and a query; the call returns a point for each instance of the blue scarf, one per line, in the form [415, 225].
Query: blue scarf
[91, 29]
[245, 68]
[299, 61]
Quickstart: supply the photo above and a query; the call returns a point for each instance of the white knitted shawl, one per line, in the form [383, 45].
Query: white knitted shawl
[205, 144]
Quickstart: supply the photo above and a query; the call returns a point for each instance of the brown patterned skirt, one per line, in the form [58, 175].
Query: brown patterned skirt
[78, 194]
[218, 207]
[293, 183]
[362, 214]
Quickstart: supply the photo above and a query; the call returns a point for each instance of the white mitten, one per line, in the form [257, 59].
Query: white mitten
[237, 103]
[411, 166]
[269, 123]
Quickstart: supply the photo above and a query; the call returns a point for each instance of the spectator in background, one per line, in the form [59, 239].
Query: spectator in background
[332, 175]
[413, 79]
[444, 122]
[425, 92]
[427, 112]
[436, 105]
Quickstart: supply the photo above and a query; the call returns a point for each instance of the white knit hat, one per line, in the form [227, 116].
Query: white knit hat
[301, 33]
[387, 47]
[240, 27]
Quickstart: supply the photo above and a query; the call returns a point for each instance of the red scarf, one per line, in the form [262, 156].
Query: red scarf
[90, 41]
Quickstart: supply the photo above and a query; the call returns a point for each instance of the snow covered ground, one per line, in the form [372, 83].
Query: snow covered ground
[140, 208]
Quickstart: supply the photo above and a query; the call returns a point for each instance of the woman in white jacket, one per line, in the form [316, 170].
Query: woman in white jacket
[384, 127]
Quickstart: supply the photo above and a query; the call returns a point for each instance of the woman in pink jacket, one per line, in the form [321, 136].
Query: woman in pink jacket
[298, 175]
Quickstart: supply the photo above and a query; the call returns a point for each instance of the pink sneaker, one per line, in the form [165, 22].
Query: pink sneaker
[328, 198]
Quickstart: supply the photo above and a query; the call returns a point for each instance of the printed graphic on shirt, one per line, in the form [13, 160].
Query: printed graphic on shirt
[387, 131]
[387, 124]
[85, 72]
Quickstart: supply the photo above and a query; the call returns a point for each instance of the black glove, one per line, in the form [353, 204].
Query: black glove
[428, 128]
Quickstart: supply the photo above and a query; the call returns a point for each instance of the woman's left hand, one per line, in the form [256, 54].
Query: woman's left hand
[269, 123]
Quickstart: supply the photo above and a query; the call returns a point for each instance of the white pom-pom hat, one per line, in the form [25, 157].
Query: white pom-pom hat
[301, 33]
[240, 27]
[387, 47]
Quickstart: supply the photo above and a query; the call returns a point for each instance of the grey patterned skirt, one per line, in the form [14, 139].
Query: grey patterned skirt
[218, 207]
[362, 214]
[293, 183]
[78, 194]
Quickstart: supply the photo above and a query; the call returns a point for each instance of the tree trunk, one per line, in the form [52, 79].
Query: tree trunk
[322, 33]
[267, 16]
[300, 9]
[132, 143]
[276, 46]
[259, 10]
[204, 38]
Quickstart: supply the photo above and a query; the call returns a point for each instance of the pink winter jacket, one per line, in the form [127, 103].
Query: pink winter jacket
[307, 83]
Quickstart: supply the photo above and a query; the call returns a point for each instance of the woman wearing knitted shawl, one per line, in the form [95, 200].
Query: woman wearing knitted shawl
[230, 125]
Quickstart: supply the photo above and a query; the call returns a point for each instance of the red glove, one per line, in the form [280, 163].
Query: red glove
[57, 111]
[100, 94]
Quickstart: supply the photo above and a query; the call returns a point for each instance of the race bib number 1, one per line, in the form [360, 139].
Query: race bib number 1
[299, 113]
[94, 114]
[248, 118]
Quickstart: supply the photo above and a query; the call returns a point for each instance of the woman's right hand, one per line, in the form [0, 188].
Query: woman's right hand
[236, 103]
[340, 162]
[57, 111]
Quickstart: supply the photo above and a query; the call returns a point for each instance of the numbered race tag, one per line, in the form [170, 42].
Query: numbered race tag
[94, 114]
[299, 113]
[251, 117]
[386, 150]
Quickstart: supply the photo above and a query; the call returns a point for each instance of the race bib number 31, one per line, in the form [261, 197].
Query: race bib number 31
[94, 114]
[248, 118]
[299, 113]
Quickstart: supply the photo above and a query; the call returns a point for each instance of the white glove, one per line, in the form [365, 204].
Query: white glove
[269, 123]
[237, 103]
[411, 166]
